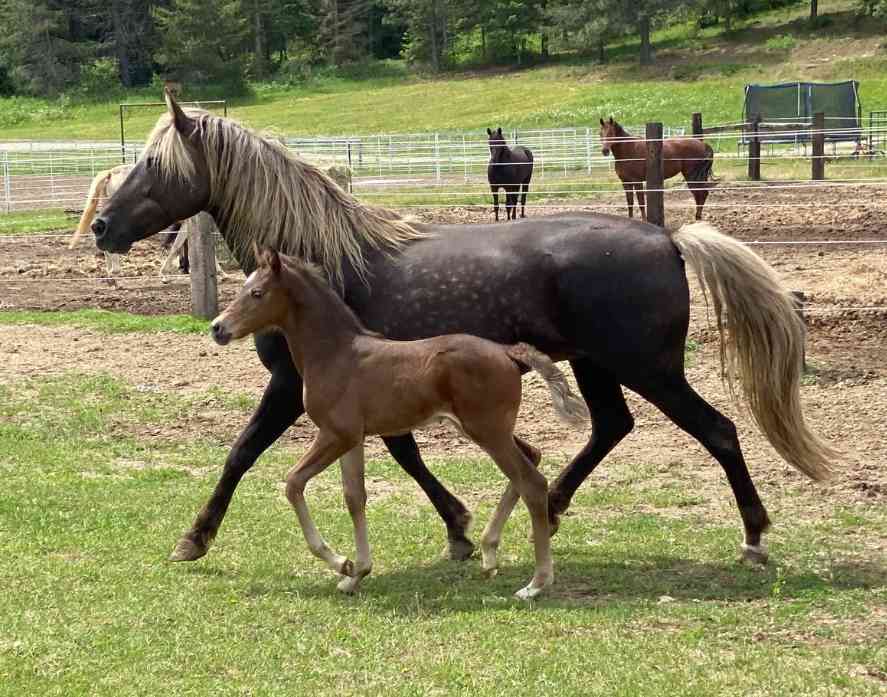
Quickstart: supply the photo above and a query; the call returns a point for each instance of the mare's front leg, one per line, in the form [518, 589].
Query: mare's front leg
[281, 405]
[495, 192]
[325, 449]
[354, 488]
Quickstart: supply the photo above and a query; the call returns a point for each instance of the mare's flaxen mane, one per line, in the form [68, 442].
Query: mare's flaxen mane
[267, 195]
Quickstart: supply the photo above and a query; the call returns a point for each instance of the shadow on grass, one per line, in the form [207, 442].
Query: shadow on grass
[445, 586]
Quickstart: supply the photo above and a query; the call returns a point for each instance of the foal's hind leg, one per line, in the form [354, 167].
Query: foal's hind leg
[533, 489]
[492, 534]
[353, 484]
[700, 192]
[680, 403]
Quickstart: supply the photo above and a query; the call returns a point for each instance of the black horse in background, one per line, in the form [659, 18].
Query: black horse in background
[510, 169]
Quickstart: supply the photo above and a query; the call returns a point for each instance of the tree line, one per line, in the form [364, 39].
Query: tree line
[95, 46]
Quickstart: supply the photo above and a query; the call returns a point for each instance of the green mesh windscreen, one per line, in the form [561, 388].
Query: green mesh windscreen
[797, 102]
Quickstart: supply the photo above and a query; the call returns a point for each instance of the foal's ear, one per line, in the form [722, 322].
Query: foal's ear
[272, 259]
[489, 132]
[602, 123]
[499, 131]
[182, 122]
[612, 122]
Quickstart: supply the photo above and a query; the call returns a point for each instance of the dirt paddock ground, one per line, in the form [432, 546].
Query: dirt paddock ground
[845, 395]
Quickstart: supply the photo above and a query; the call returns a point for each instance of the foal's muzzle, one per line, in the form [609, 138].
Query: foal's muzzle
[219, 333]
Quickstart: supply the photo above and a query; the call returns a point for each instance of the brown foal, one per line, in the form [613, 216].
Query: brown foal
[357, 383]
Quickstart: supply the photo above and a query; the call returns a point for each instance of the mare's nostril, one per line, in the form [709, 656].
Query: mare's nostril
[99, 227]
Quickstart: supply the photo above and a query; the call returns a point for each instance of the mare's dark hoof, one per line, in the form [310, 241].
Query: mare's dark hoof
[755, 554]
[459, 550]
[187, 550]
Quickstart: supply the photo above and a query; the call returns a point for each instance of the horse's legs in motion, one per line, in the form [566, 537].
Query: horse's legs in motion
[353, 485]
[495, 190]
[525, 187]
[610, 423]
[533, 489]
[453, 512]
[680, 403]
[325, 449]
[281, 405]
[492, 535]
[642, 204]
[112, 262]
[629, 197]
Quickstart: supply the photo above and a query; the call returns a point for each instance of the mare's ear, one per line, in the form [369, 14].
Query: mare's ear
[489, 132]
[183, 123]
[272, 259]
[499, 131]
[612, 121]
[602, 123]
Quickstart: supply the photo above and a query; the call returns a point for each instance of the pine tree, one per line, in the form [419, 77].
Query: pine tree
[203, 42]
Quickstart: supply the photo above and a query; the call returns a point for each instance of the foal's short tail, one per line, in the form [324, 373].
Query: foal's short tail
[761, 341]
[96, 194]
[569, 407]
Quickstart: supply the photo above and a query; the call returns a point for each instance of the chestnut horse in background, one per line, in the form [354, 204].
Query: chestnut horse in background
[690, 156]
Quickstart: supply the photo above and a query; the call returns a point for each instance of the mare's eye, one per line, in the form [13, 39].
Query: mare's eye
[256, 292]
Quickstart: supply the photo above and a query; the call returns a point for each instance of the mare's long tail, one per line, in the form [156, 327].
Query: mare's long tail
[96, 193]
[761, 341]
[569, 407]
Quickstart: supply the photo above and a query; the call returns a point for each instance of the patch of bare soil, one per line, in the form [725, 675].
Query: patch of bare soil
[845, 398]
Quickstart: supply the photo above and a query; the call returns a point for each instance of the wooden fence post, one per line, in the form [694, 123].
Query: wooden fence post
[818, 166]
[800, 300]
[754, 150]
[655, 180]
[202, 258]
[697, 124]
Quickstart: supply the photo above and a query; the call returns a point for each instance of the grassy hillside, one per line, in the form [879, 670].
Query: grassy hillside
[696, 70]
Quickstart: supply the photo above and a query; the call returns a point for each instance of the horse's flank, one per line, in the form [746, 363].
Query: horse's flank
[265, 194]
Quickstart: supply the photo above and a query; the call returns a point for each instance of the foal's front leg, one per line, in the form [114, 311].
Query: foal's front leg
[353, 485]
[629, 197]
[325, 450]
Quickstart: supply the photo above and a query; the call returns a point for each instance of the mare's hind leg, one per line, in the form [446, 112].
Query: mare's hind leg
[325, 449]
[511, 202]
[610, 423]
[680, 403]
[492, 534]
[453, 512]
[353, 485]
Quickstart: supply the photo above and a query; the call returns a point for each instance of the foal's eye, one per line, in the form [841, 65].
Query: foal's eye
[256, 292]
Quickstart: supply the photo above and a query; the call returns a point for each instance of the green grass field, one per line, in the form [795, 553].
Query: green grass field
[698, 70]
[649, 598]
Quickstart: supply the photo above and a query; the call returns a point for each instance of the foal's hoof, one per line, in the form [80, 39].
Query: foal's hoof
[755, 554]
[530, 592]
[459, 550]
[347, 568]
[349, 584]
[187, 550]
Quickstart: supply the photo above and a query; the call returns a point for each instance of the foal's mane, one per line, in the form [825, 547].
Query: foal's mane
[267, 195]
